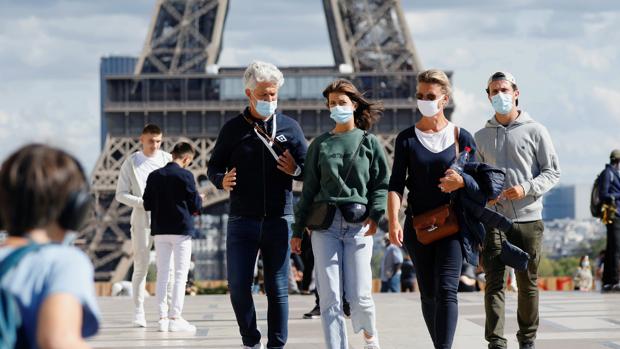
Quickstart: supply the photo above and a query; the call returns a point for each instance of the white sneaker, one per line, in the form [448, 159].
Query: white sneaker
[139, 320]
[371, 343]
[181, 325]
[255, 346]
[164, 325]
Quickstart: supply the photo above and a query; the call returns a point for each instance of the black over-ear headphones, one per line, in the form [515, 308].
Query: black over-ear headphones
[78, 205]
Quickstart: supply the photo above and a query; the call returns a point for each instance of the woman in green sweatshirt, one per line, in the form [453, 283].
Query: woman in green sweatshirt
[346, 166]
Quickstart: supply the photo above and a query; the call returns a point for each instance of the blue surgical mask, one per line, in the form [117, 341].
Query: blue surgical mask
[266, 109]
[341, 114]
[502, 103]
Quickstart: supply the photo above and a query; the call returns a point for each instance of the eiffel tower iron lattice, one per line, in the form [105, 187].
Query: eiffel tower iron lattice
[170, 85]
[185, 36]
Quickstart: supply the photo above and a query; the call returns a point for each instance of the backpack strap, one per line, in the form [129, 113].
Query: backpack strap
[14, 257]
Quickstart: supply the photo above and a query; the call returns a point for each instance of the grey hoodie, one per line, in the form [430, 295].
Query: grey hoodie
[525, 151]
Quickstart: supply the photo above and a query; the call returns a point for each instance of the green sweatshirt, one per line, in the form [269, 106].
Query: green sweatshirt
[327, 161]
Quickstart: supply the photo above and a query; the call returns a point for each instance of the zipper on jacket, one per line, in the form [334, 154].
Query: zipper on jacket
[264, 185]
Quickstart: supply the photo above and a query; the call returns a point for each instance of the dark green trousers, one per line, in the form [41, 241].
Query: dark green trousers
[527, 236]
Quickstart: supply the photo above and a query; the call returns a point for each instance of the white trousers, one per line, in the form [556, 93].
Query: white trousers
[178, 247]
[141, 243]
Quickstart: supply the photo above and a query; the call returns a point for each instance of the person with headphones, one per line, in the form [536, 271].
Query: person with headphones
[43, 197]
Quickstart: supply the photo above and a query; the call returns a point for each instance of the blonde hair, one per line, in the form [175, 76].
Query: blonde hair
[436, 76]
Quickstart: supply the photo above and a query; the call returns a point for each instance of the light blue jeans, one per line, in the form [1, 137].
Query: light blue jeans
[342, 261]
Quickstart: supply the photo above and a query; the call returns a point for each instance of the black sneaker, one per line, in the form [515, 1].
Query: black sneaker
[315, 313]
[346, 309]
[526, 345]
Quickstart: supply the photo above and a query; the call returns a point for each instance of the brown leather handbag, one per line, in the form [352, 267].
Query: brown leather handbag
[435, 224]
[439, 222]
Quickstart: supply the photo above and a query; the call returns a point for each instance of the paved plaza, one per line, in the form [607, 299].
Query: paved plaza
[568, 320]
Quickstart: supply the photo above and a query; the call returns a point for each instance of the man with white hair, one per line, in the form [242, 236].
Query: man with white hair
[256, 157]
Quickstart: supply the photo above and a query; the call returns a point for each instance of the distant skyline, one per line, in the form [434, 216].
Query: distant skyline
[565, 59]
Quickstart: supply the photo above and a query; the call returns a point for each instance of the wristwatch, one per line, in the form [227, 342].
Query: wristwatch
[297, 171]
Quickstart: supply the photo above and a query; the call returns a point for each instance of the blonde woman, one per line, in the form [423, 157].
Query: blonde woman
[423, 154]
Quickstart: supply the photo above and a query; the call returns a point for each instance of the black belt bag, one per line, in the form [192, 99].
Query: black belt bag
[322, 214]
[354, 212]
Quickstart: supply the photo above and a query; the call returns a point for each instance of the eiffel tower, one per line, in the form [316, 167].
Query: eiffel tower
[177, 84]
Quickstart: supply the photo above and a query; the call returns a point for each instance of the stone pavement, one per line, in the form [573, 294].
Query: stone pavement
[569, 320]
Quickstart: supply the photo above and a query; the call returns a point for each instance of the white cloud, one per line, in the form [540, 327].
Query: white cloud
[4, 121]
[472, 111]
[597, 59]
[236, 56]
[609, 98]
[67, 47]
[4, 118]
[601, 24]
[42, 112]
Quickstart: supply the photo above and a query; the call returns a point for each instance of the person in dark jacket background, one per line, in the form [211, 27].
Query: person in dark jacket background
[609, 193]
[171, 197]
[256, 157]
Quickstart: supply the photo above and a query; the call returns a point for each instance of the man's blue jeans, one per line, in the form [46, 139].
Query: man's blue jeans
[245, 237]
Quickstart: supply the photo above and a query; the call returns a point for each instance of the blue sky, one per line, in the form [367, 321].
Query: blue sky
[564, 55]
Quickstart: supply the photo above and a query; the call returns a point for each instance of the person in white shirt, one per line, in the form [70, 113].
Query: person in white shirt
[129, 190]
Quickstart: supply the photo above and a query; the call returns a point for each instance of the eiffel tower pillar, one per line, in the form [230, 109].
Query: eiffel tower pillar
[370, 35]
[185, 36]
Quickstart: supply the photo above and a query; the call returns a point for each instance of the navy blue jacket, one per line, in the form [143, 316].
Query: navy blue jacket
[609, 186]
[173, 200]
[262, 190]
[482, 183]
[419, 170]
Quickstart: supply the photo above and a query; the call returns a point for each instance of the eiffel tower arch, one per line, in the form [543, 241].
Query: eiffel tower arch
[177, 84]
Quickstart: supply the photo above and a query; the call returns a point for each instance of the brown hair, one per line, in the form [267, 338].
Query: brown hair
[151, 129]
[502, 76]
[367, 112]
[36, 183]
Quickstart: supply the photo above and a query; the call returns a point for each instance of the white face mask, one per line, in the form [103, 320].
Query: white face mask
[429, 108]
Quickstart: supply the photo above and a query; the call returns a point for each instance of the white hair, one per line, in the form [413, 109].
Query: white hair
[259, 71]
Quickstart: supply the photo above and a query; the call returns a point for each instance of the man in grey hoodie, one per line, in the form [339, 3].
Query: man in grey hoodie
[513, 141]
